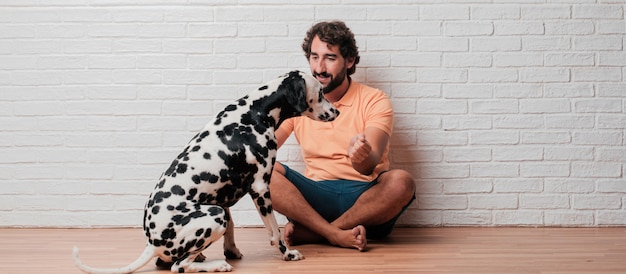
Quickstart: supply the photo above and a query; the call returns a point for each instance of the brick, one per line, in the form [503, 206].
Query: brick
[473, 217]
[442, 76]
[596, 201]
[447, 44]
[492, 12]
[569, 27]
[597, 43]
[545, 106]
[467, 91]
[411, 59]
[441, 106]
[568, 90]
[467, 186]
[518, 28]
[495, 106]
[468, 28]
[611, 217]
[597, 138]
[568, 218]
[518, 91]
[518, 60]
[496, 44]
[569, 59]
[532, 43]
[611, 186]
[444, 171]
[466, 123]
[502, 75]
[518, 217]
[596, 74]
[596, 170]
[417, 28]
[568, 153]
[519, 153]
[494, 138]
[518, 185]
[493, 201]
[533, 12]
[570, 122]
[545, 169]
[543, 201]
[444, 12]
[518, 122]
[494, 170]
[598, 12]
[442, 202]
[452, 155]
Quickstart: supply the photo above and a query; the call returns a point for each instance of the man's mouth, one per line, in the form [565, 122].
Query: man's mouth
[322, 77]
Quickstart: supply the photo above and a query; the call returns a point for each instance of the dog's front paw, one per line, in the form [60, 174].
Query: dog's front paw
[292, 255]
[233, 253]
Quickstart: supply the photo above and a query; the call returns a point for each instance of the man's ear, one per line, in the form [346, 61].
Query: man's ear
[350, 62]
[295, 91]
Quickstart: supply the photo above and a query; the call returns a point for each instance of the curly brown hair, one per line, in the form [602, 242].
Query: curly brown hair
[333, 33]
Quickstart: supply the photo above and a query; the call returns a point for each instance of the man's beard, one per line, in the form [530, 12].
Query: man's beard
[334, 81]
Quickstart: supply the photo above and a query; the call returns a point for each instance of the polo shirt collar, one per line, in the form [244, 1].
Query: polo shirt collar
[350, 96]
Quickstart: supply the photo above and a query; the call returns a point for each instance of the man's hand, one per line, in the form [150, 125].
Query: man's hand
[359, 148]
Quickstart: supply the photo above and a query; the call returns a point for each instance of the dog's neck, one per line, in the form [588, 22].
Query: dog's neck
[270, 109]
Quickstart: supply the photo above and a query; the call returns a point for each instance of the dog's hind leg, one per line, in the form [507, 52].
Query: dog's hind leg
[230, 249]
[198, 230]
[189, 265]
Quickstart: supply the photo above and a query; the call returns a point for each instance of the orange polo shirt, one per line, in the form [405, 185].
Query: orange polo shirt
[324, 145]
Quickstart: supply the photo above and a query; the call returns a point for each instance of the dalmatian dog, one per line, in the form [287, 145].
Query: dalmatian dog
[232, 156]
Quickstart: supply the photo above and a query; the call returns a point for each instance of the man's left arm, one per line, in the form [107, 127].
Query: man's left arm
[366, 149]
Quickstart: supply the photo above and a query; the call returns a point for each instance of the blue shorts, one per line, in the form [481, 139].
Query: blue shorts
[331, 198]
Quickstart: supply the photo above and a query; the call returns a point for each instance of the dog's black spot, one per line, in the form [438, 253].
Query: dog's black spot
[195, 148]
[182, 207]
[182, 168]
[200, 136]
[192, 194]
[263, 87]
[207, 232]
[155, 209]
[207, 156]
[172, 168]
[168, 233]
[215, 210]
[230, 108]
[160, 184]
[199, 232]
[159, 197]
[178, 190]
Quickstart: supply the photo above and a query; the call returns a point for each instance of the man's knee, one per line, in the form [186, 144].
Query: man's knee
[399, 183]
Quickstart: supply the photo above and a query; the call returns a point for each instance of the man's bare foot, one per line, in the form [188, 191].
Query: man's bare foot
[299, 236]
[349, 238]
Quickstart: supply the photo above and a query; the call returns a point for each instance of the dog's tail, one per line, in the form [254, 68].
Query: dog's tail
[146, 256]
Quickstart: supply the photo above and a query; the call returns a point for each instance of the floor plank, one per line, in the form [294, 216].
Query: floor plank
[409, 250]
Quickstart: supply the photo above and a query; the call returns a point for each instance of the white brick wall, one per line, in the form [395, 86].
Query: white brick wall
[509, 112]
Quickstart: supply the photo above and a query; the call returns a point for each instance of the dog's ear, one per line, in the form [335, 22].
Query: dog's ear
[294, 88]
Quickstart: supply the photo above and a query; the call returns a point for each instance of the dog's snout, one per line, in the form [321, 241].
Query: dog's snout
[329, 116]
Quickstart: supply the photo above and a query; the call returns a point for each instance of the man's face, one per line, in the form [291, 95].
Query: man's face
[327, 64]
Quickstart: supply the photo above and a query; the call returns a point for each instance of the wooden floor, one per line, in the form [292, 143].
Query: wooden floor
[411, 250]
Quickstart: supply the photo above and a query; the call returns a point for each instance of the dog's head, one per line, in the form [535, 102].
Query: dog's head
[304, 94]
